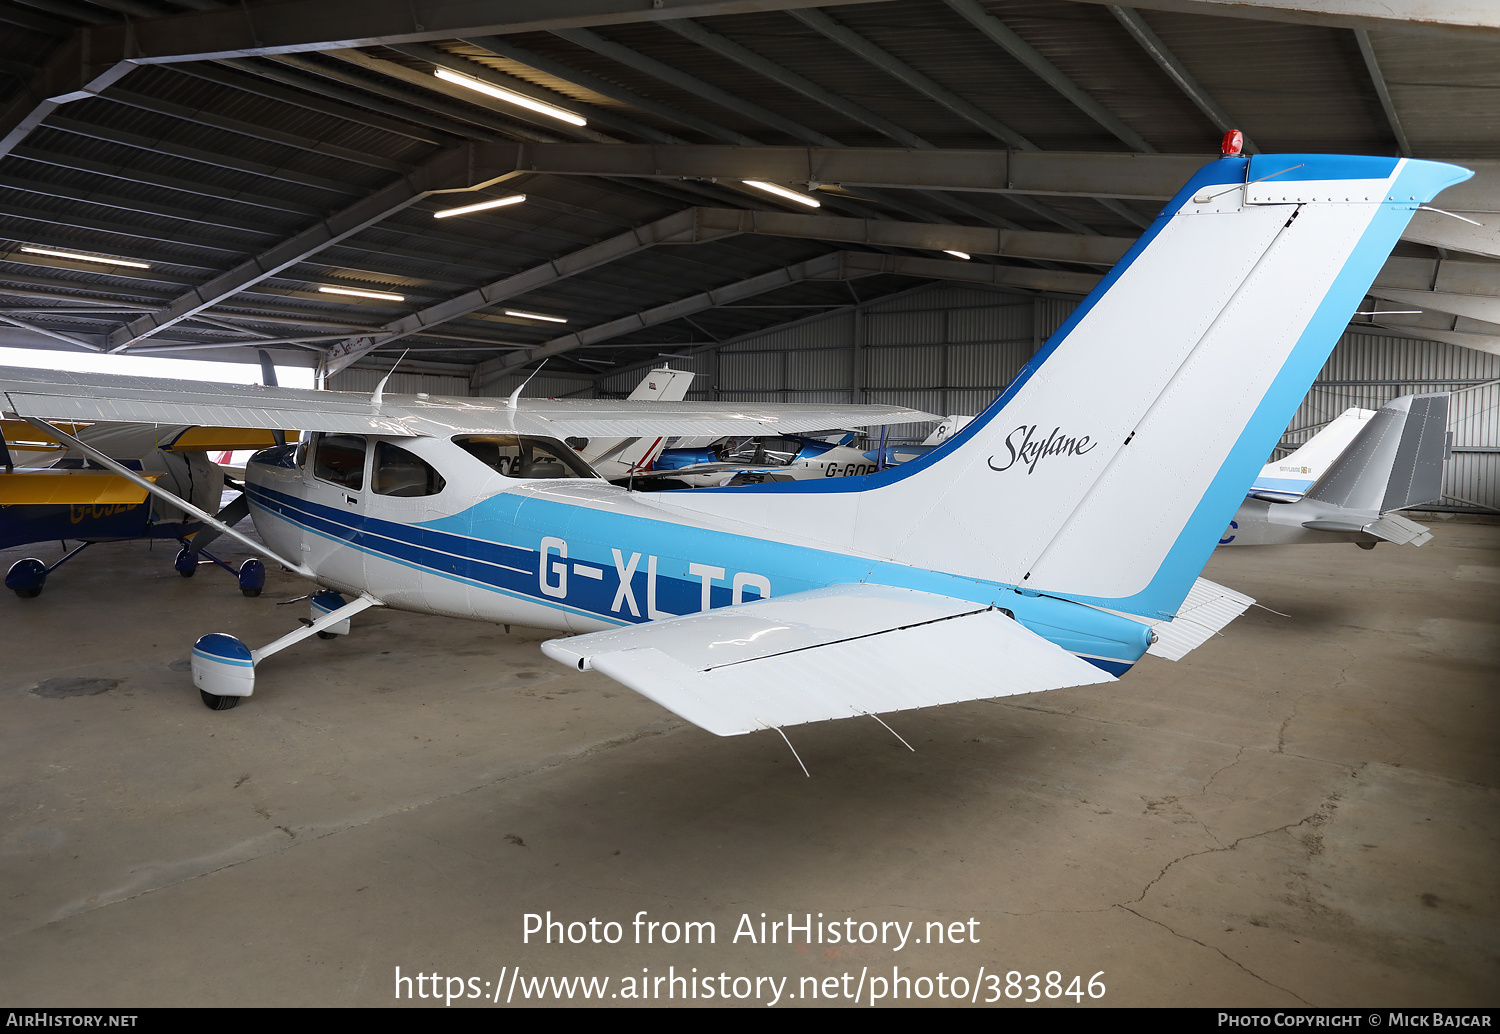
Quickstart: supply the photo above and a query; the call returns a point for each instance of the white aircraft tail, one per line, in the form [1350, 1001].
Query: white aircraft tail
[1108, 469]
[1290, 477]
[621, 457]
[663, 385]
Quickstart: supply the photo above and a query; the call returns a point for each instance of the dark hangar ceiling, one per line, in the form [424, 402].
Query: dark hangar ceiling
[248, 157]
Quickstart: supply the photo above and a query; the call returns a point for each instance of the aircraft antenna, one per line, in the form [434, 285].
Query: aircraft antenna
[379, 396]
[515, 396]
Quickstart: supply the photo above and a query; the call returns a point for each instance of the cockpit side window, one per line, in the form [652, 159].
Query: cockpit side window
[340, 458]
[400, 473]
[524, 456]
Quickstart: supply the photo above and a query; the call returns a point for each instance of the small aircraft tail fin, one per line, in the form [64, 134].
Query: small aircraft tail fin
[1395, 462]
[950, 426]
[1108, 469]
[1288, 479]
[663, 385]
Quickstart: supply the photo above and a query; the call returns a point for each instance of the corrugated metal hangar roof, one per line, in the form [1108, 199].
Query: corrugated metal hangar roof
[246, 159]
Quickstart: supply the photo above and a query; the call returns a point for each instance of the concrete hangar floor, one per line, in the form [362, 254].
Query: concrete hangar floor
[1302, 811]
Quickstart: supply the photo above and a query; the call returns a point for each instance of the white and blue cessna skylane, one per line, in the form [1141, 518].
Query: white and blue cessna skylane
[1051, 543]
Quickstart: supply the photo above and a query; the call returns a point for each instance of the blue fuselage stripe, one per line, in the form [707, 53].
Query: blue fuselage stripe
[475, 560]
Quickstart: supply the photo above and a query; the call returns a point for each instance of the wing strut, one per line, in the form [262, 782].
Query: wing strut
[130, 475]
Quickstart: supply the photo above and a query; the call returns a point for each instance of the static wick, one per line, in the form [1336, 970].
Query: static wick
[888, 729]
[788, 747]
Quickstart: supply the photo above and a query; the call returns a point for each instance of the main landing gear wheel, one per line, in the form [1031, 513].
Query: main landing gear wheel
[217, 703]
[26, 577]
[252, 578]
[321, 635]
[186, 563]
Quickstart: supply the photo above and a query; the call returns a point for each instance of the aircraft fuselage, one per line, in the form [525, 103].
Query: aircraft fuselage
[581, 555]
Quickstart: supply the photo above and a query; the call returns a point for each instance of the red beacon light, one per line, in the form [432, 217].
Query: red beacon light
[1234, 142]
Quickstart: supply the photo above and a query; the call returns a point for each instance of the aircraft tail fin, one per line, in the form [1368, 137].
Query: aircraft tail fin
[1288, 479]
[1395, 462]
[1107, 470]
[663, 384]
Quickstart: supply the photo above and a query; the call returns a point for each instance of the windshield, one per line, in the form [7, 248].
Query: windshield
[523, 456]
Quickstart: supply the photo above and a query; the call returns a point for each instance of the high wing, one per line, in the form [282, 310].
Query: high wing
[827, 653]
[56, 395]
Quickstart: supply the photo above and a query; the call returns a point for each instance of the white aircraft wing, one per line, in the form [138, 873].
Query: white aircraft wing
[827, 653]
[57, 395]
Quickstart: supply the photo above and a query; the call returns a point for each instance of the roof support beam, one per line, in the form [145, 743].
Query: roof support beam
[1367, 50]
[973, 240]
[1452, 16]
[692, 84]
[746, 58]
[67, 339]
[824, 267]
[680, 227]
[475, 70]
[1155, 177]
[887, 62]
[1053, 76]
[79, 69]
[842, 265]
[1061, 173]
[449, 170]
[1167, 61]
[1469, 289]
[605, 88]
[698, 225]
[667, 74]
[1443, 231]
[295, 26]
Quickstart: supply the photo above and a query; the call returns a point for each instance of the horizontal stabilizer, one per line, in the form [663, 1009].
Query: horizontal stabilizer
[1391, 527]
[1209, 607]
[827, 653]
[1403, 532]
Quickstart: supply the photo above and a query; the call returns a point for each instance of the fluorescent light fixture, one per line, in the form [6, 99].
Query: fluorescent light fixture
[382, 295]
[782, 192]
[85, 258]
[510, 98]
[535, 316]
[480, 206]
[956, 254]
